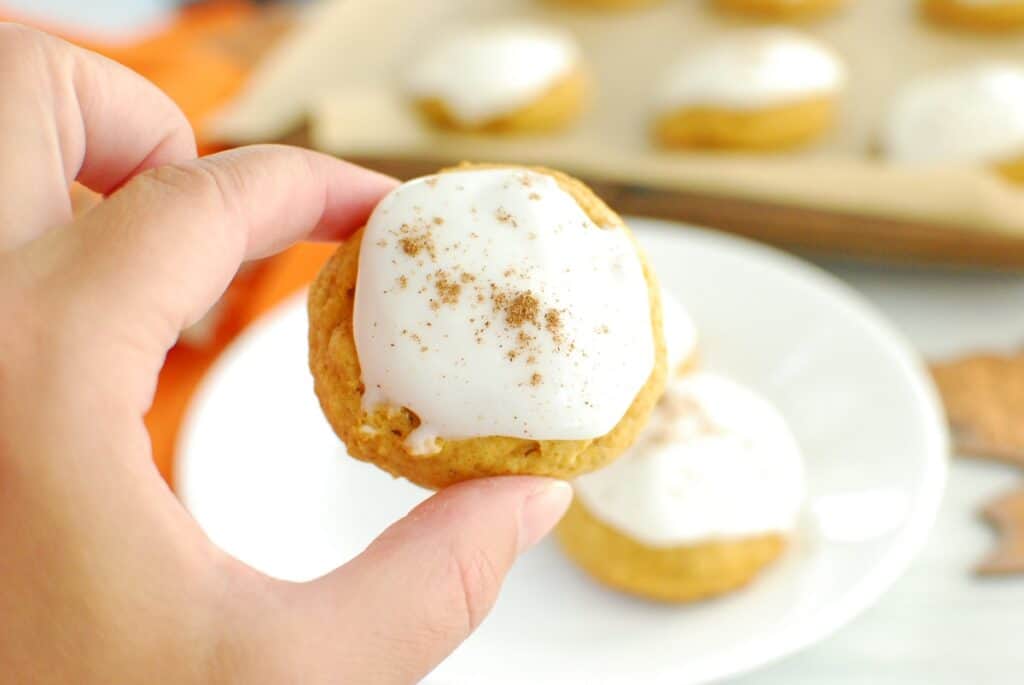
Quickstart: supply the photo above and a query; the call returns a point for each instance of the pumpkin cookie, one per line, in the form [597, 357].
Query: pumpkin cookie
[502, 79]
[971, 115]
[488, 321]
[704, 500]
[761, 89]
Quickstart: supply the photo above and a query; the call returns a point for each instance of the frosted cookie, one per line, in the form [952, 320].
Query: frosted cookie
[503, 79]
[976, 15]
[757, 89]
[487, 321]
[704, 500]
[969, 115]
[680, 335]
[780, 9]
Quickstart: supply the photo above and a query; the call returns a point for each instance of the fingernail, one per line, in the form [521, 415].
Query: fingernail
[541, 511]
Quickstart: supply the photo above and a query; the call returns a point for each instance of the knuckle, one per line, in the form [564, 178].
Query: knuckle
[196, 181]
[14, 38]
[475, 581]
[208, 188]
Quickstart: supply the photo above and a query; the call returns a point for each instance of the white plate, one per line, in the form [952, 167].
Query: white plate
[266, 478]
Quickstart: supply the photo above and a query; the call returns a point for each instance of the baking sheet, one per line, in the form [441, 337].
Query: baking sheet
[340, 70]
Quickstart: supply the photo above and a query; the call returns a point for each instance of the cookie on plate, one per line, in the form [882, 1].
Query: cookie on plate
[759, 89]
[705, 499]
[488, 321]
[502, 79]
[971, 115]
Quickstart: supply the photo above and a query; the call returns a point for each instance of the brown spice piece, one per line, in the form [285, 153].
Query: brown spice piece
[466, 278]
[522, 308]
[553, 321]
[536, 379]
[534, 196]
[438, 221]
[504, 217]
[447, 289]
[413, 245]
[403, 282]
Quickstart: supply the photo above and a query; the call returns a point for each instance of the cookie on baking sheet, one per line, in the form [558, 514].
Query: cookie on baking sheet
[781, 9]
[970, 115]
[976, 15]
[488, 321]
[706, 497]
[759, 89]
[508, 78]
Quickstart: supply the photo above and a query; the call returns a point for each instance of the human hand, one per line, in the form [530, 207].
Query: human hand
[105, 578]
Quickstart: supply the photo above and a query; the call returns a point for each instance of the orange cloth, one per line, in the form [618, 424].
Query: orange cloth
[191, 61]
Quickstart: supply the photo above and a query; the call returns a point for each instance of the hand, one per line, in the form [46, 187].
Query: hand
[104, 578]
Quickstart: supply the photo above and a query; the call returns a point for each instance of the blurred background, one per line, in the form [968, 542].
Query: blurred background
[940, 252]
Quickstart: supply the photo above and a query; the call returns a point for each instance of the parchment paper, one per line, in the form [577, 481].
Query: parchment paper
[340, 69]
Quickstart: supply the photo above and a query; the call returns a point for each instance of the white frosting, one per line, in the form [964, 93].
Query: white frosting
[753, 69]
[450, 271]
[680, 332]
[715, 462]
[966, 115]
[483, 73]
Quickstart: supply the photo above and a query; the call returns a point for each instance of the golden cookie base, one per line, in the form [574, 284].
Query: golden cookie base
[766, 129]
[956, 14]
[1012, 170]
[557, 108]
[670, 574]
[780, 9]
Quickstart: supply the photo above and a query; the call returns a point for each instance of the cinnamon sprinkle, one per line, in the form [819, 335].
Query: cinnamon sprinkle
[447, 289]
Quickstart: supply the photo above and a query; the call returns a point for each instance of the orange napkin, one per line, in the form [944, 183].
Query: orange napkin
[201, 60]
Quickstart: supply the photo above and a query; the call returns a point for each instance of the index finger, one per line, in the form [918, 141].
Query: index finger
[69, 114]
[157, 254]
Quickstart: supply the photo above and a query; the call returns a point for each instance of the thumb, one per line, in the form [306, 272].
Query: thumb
[394, 612]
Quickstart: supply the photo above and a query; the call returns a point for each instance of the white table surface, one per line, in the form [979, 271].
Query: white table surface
[939, 625]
